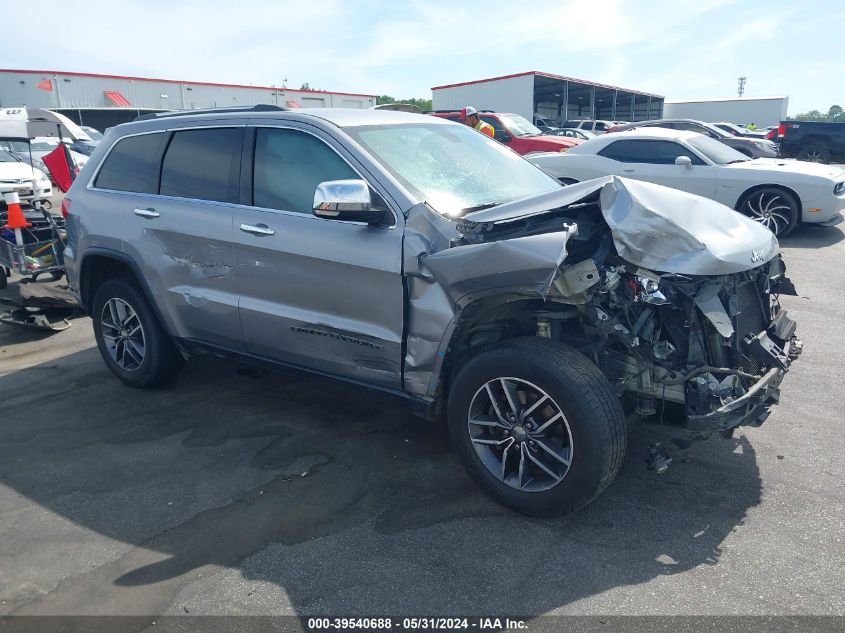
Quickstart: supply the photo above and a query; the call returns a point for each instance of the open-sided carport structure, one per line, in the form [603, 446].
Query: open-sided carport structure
[554, 96]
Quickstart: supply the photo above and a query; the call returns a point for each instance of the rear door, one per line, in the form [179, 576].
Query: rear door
[317, 293]
[181, 237]
[654, 161]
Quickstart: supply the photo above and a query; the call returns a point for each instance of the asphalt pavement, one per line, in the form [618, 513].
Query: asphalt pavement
[232, 491]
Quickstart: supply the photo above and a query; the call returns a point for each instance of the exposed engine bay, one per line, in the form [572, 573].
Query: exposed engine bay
[704, 328]
[717, 345]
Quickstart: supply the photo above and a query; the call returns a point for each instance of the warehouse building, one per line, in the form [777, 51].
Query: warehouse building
[763, 111]
[105, 100]
[555, 97]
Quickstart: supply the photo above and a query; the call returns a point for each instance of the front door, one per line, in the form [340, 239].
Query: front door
[322, 294]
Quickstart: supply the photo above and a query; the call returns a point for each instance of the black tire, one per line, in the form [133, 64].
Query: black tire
[4, 280]
[567, 181]
[592, 414]
[815, 154]
[777, 203]
[161, 359]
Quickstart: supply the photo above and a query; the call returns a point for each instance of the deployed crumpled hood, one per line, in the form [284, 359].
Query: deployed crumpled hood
[656, 227]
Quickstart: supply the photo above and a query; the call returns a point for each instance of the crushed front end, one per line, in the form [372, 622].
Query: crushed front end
[675, 297]
[717, 345]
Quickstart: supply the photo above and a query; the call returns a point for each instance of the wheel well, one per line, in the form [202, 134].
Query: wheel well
[485, 323]
[783, 188]
[95, 270]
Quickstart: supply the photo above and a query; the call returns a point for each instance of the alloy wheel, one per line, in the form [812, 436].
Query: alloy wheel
[813, 156]
[123, 334]
[520, 434]
[771, 209]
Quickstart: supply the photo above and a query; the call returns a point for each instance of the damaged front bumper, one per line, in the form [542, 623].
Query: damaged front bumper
[749, 409]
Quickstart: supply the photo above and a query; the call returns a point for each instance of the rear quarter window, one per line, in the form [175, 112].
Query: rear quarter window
[132, 165]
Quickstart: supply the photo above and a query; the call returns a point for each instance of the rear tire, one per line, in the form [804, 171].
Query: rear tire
[578, 416]
[815, 154]
[129, 336]
[773, 207]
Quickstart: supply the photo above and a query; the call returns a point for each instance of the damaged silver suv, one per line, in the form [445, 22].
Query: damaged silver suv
[413, 255]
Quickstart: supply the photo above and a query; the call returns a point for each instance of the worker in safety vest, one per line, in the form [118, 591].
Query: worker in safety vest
[469, 116]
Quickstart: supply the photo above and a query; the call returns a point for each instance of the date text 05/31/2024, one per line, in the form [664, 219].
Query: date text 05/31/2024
[413, 624]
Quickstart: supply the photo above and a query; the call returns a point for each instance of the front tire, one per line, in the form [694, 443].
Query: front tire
[774, 208]
[537, 425]
[129, 336]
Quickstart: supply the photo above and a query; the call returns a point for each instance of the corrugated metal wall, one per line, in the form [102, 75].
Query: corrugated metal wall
[77, 91]
[762, 112]
[513, 94]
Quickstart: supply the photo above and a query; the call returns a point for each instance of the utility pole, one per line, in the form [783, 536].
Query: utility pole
[740, 86]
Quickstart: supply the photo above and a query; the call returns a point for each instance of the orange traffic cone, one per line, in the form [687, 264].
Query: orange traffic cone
[15, 219]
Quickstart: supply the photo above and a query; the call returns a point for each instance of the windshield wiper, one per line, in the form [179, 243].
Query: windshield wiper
[737, 160]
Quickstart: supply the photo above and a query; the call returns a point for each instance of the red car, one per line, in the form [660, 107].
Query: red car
[517, 132]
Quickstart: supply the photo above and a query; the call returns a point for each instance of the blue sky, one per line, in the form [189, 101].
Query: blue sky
[679, 48]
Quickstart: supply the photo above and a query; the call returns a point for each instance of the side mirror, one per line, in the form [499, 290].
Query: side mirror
[346, 200]
[686, 161]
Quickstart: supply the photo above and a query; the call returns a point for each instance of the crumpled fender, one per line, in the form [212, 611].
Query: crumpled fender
[524, 265]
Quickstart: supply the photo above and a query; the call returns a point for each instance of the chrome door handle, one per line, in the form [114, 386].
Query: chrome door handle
[257, 229]
[148, 214]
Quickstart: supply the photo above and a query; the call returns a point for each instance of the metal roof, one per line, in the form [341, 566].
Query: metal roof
[539, 73]
[727, 99]
[177, 81]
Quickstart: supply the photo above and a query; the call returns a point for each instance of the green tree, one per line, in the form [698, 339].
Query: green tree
[423, 104]
[305, 86]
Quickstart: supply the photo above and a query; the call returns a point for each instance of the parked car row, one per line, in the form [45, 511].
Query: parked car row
[776, 193]
[516, 132]
[753, 148]
[17, 176]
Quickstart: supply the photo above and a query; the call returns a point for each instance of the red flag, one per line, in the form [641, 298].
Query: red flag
[45, 85]
[61, 166]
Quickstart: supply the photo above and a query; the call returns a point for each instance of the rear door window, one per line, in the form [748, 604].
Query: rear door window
[132, 165]
[203, 164]
[289, 165]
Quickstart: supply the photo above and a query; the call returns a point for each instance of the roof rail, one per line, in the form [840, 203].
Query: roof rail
[261, 107]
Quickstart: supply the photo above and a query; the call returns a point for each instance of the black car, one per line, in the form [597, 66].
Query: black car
[753, 148]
